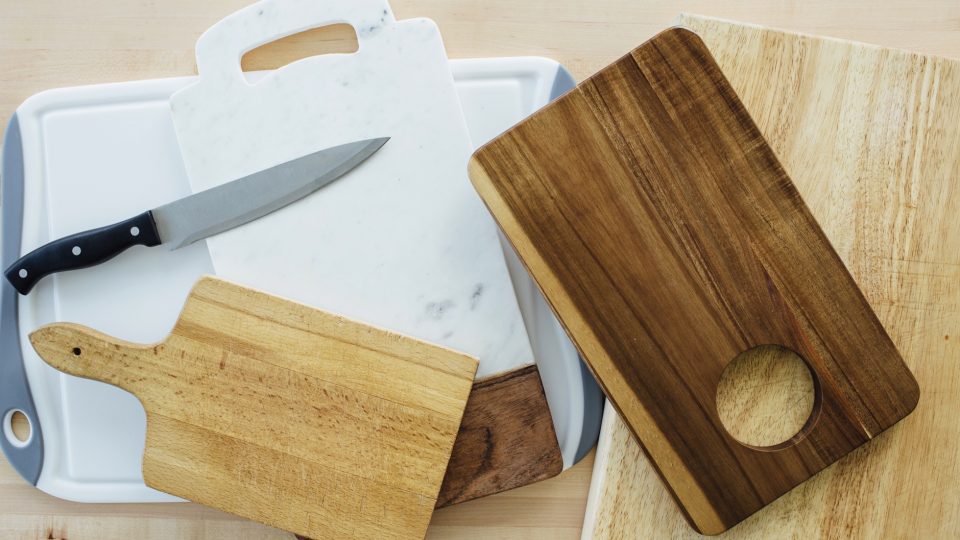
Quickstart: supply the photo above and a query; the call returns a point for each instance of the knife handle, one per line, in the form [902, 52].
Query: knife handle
[81, 250]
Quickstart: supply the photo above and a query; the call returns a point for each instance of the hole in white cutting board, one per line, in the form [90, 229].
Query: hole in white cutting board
[17, 428]
[766, 396]
[331, 39]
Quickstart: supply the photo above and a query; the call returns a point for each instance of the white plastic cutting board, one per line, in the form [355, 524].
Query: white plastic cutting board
[80, 144]
[403, 241]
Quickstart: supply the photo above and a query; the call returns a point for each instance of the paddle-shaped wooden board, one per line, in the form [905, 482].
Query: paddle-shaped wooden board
[285, 414]
[667, 237]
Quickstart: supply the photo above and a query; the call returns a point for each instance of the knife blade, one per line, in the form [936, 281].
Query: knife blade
[184, 221]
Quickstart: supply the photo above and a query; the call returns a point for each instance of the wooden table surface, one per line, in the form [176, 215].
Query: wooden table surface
[46, 44]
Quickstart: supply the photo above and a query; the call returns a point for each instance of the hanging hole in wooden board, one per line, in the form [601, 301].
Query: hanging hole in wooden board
[331, 39]
[17, 428]
[766, 396]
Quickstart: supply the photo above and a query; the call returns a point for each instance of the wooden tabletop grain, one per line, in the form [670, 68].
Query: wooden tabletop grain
[53, 43]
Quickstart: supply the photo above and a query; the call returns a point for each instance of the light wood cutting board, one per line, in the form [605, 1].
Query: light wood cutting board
[285, 414]
[668, 239]
[871, 138]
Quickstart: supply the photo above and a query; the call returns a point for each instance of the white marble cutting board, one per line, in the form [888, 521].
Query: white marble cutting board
[402, 242]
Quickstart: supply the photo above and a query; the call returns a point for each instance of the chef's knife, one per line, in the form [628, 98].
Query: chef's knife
[198, 216]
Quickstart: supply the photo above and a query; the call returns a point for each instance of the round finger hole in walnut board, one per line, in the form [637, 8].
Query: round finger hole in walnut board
[765, 396]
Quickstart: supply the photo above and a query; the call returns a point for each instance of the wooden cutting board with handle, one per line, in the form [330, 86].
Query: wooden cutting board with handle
[668, 239]
[871, 138]
[285, 414]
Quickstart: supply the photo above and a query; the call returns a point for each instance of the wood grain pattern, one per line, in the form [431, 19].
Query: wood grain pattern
[48, 44]
[548, 510]
[506, 439]
[285, 414]
[765, 395]
[646, 204]
[871, 139]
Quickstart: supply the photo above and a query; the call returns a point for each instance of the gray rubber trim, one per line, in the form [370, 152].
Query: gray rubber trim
[592, 396]
[593, 400]
[14, 389]
[562, 83]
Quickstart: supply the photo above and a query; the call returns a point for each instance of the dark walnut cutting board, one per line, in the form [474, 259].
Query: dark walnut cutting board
[668, 239]
[880, 181]
[285, 414]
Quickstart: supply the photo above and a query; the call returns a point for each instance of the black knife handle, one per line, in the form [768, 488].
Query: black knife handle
[81, 250]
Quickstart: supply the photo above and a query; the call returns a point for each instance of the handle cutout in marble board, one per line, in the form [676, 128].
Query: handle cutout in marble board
[330, 39]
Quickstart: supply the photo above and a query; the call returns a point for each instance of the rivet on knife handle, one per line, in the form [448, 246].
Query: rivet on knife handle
[81, 250]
